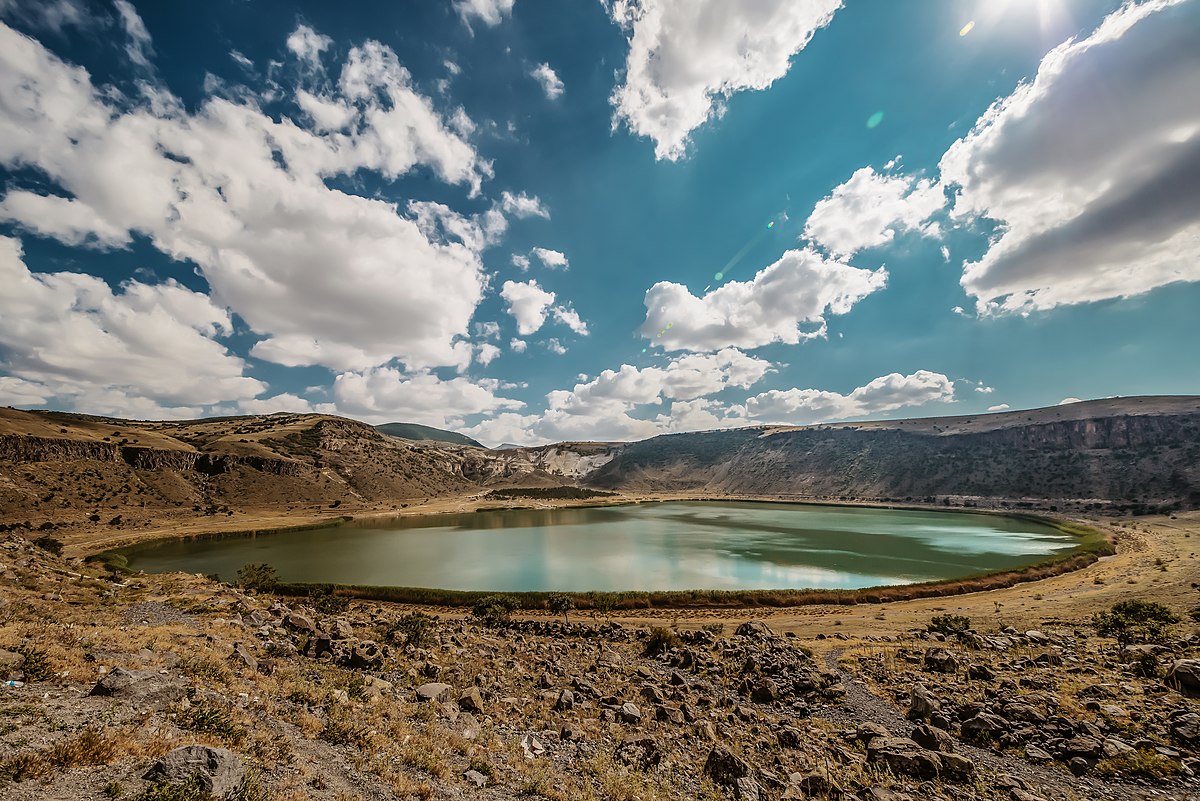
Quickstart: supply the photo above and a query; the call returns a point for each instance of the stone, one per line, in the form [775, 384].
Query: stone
[570, 733]
[984, 726]
[923, 704]
[142, 689]
[566, 701]
[764, 691]
[755, 630]
[980, 673]
[10, 663]
[532, 746]
[902, 755]
[725, 767]
[630, 713]
[476, 778]
[471, 700]
[789, 737]
[1083, 745]
[669, 714]
[299, 622]
[956, 766]
[933, 738]
[1035, 754]
[1184, 676]
[361, 655]
[433, 691]
[642, 753]
[746, 789]
[218, 771]
[939, 660]
[242, 655]
[866, 732]
[1114, 747]
[1186, 728]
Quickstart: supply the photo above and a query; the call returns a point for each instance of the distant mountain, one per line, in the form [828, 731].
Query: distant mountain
[419, 432]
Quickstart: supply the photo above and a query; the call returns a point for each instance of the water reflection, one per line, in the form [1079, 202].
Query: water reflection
[660, 546]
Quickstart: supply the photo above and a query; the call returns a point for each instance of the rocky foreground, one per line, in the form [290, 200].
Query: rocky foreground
[176, 687]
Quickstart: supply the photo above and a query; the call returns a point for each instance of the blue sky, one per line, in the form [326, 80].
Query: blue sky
[509, 218]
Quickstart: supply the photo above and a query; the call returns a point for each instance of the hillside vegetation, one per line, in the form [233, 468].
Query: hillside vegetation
[416, 431]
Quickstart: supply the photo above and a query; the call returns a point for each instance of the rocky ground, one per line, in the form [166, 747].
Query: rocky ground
[175, 687]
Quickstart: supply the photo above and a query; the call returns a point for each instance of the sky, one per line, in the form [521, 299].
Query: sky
[535, 221]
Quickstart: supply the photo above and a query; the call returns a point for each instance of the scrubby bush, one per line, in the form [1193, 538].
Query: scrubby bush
[560, 604]
[1135, 621]
[259, 576]
[411, 630]
[661, 640]
[48, 543]
[495, 609]
[36, 666]
[324, 600]
[949, 624]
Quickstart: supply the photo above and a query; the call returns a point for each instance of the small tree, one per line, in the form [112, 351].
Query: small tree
[949, 624]
[495, 609]
[259, 576]
[602, 605]
[561, 604]
[1135, 621]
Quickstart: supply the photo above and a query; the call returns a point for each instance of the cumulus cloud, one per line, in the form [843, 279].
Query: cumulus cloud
[605, 407]
[520, 262]
[552, 85]
[489, 12]
[284, 402]
[1090, 170]
[486, 352]
[19, 392]
[527, 303]
[884, 394]
[785, 302]
[570, 318]
[522, 205]
[325, 277]
[308, 45]
[517, 345]
[1066, 401]
[386, 394]
[550, 258]
[999, 407]
[870, 208]
[687, 56]
[139, 47]
[555, 347]
[147, 350]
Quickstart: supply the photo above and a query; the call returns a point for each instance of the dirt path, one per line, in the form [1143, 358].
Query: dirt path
[861, 705]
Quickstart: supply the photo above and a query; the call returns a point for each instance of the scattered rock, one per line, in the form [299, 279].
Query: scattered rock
[939, 660]
[902, 755]
[725, 767]
[433, 691]
[630, 713]
[476, 778]
[218, 771]
[642, 753]
[142, 689]
[1184, 676]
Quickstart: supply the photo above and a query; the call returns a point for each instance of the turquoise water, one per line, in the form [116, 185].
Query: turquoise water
[655, 546]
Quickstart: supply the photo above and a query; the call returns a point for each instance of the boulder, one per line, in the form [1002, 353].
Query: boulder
[630, 713]
[725, 767]
[902, 755]
[218, 771]
[642, 753]
[755, 630]
[923, 704]
[1186, 728]
[789, 737]
[476, 778]
[299, 622]
[984, 726]
[1184, 676]
[141, 689]
[566, 701]
[471, 700]
[764, 691]
[939, 660]
[433, 691]
[956, 767]
[360, 655]
[932, 738]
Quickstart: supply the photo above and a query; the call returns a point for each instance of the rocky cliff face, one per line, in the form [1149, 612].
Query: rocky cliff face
[1127, 461]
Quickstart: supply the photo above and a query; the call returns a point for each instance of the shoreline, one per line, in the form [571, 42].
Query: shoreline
[1092, 544]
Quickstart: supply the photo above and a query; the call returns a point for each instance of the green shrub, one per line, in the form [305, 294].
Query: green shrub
[48, 543]
[949, 624]
[1138, 763]
[189, 790]
[661, 640]
[324, 600]
[260, 576]
[560, 604]
[1135, 621]
[715, 629]
[208, 719]
[36, 666]
[495, 609]
[411, 630]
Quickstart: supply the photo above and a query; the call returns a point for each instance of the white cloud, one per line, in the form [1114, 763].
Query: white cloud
[555, 347]
[53, 15]
[324, 276]
[527, 303]
[490, 12]
[551, 84]
[986, 390]
[785, 302]
[327, 114]
[687, 56]
[550, 258]
[385, 394]
[486, 352]
[139, 47]
[883, 394]
[19, 392]
[517, 345]
[284, 402]
[144, 350]
[1091, 169]
[570, 318]
[522, 205]
[308, 45]
[1066, 401]
[520, 262]
[870, 208]
[999, 407]
[488, 330]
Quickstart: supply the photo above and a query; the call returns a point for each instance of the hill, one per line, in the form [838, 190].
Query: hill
[420, 433]
[1123, 454]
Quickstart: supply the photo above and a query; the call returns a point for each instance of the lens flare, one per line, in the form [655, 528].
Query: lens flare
[875, 119]
[964, 30]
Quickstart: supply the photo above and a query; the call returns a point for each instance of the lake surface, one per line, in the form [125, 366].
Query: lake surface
[654, 546]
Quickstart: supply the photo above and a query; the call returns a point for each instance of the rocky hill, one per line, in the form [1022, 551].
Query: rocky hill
[421, 433]
[1126, 454]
